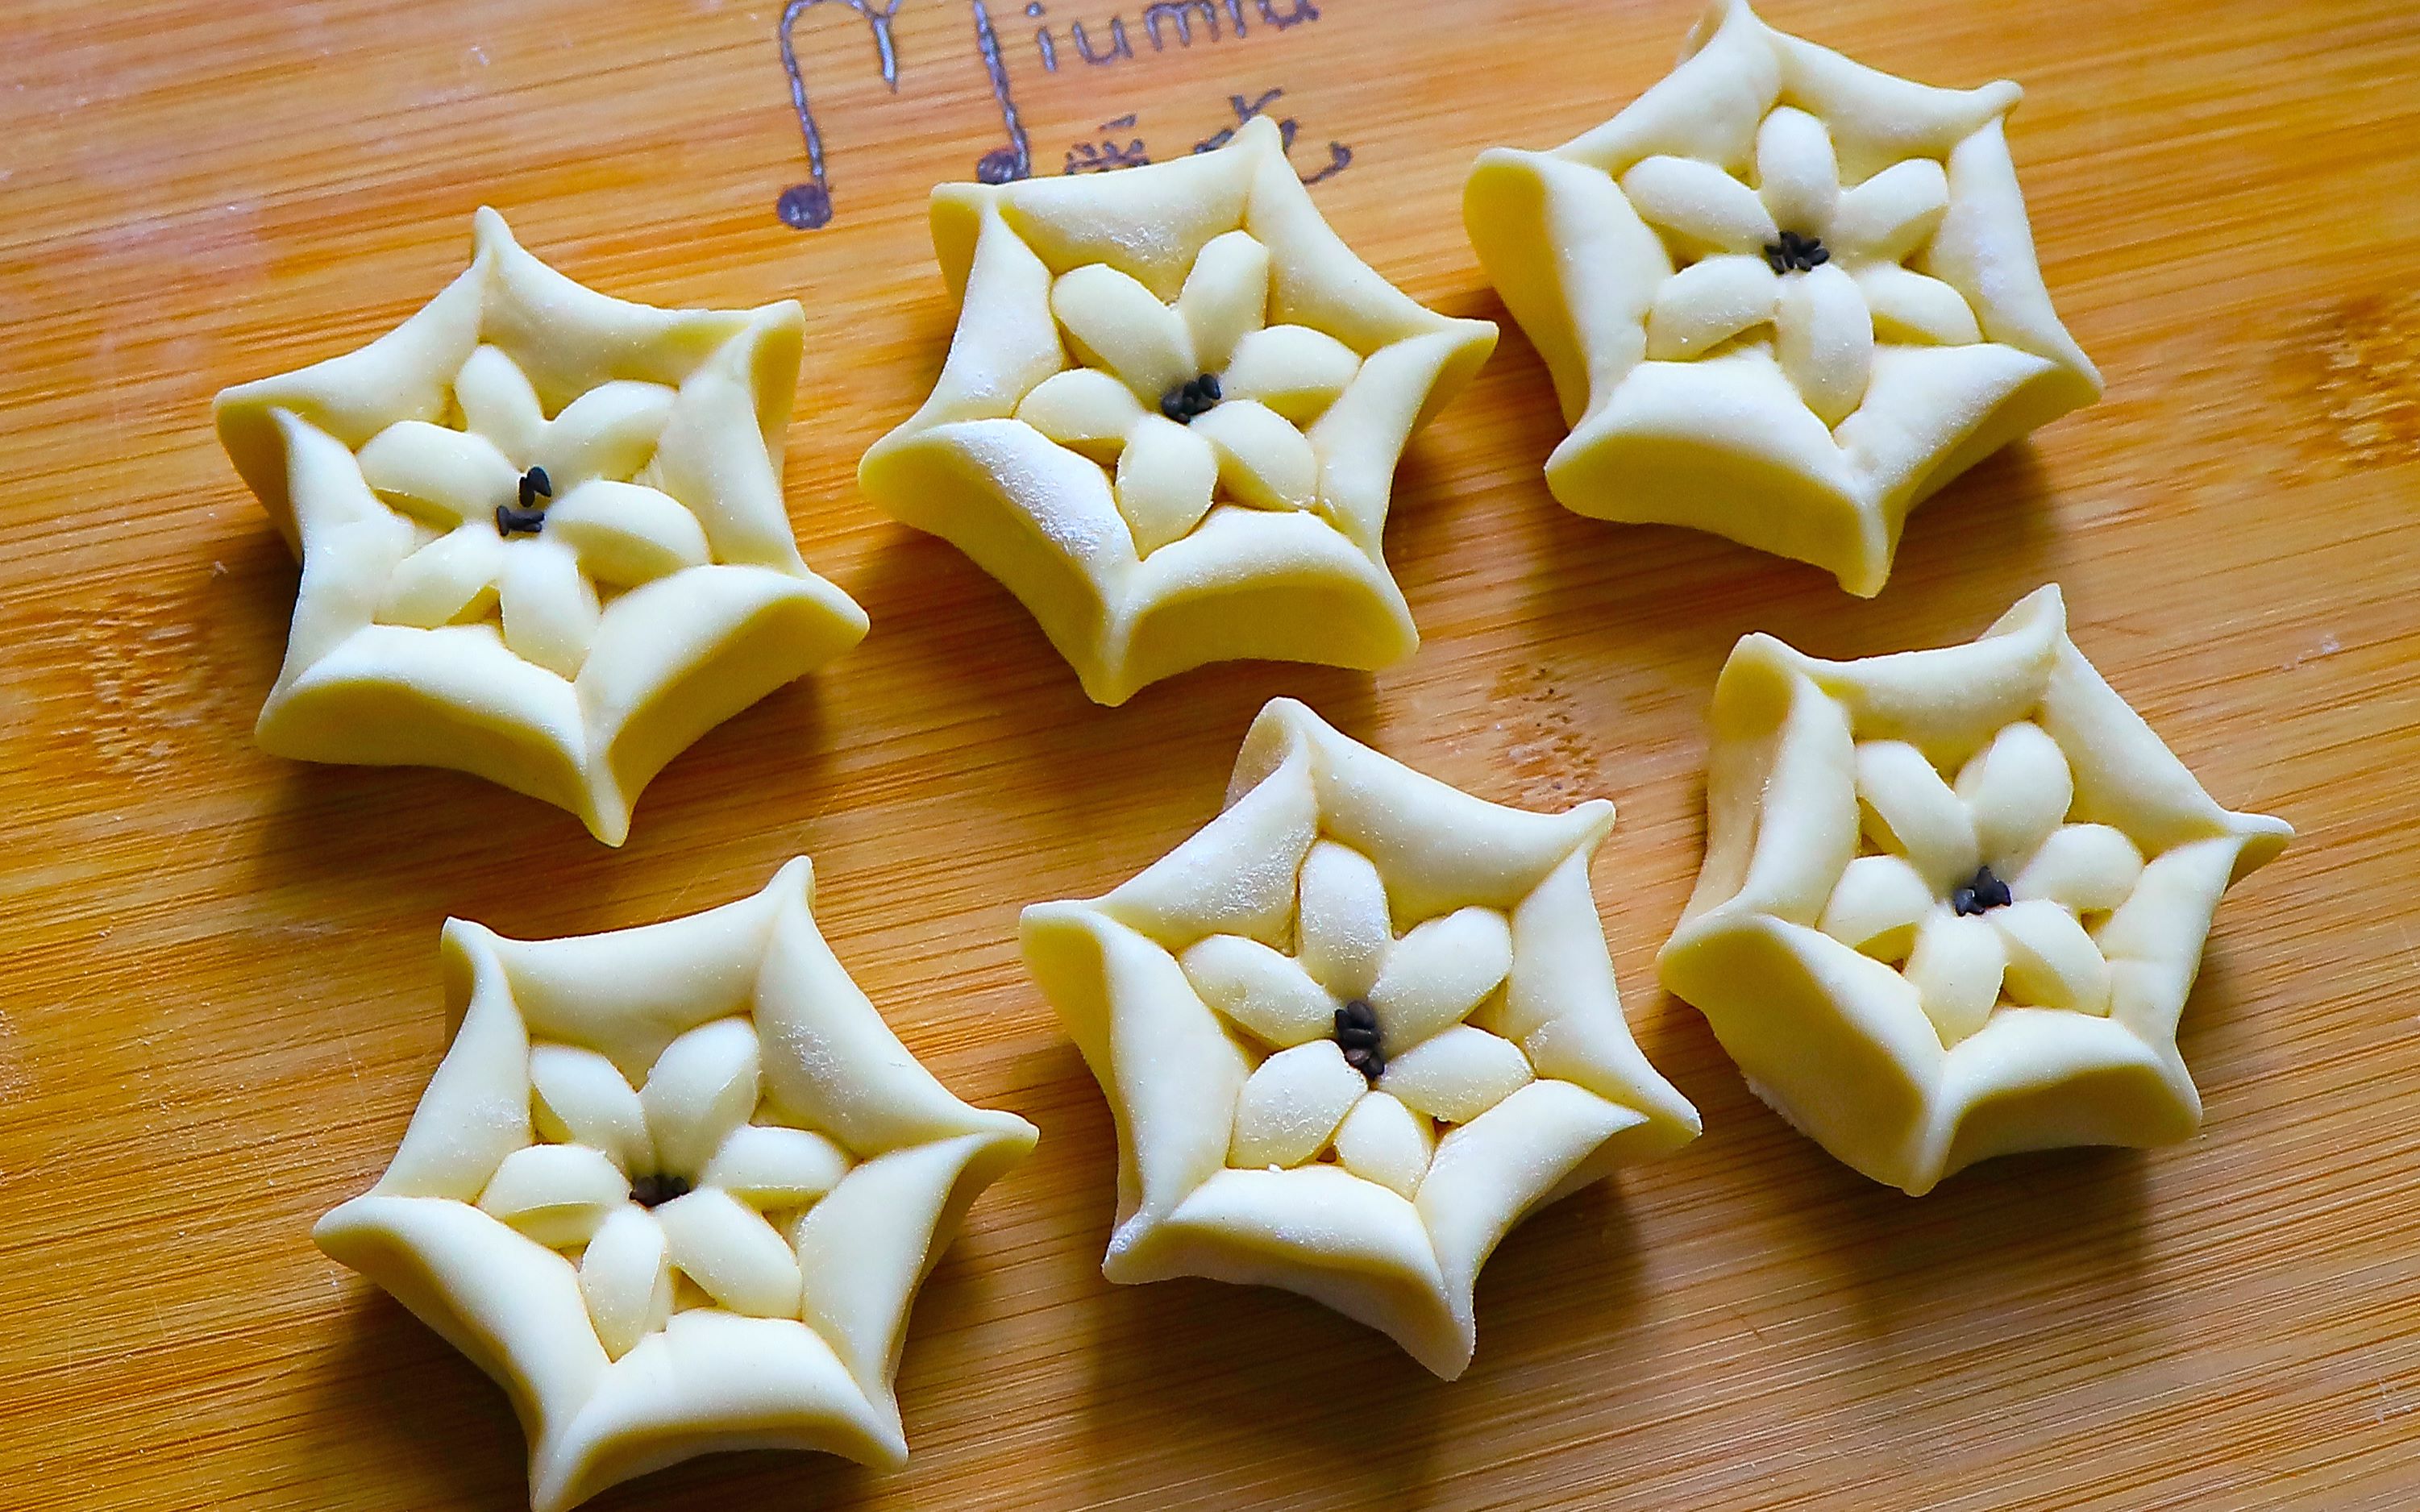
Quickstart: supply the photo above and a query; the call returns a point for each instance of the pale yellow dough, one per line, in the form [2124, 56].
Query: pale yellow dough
[1142, 545]
[1203, 994]
[1802, 411]
[1847, 802]
[764, 1308]
[664, 595]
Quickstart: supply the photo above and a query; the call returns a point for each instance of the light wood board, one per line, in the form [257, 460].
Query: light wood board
[221, 994]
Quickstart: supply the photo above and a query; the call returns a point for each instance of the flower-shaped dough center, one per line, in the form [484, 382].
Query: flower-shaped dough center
[1369, 1049]
[525, 517]
[668, 1194]
[1826, 266]
[1980, 890]
[1193, 403]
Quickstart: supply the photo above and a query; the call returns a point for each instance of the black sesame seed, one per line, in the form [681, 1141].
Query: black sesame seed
[1357, 1030]
[511, 521]
[1194, 396]
[1796, 253]
[536, 485]
[653, 1189]
[1980, 894]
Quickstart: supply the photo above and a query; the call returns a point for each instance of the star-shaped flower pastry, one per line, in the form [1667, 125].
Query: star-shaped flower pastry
[675, 1188]
[1953, 900]
[1783, 297]
[1353, 1032]
[1171, 415]
[542, 535]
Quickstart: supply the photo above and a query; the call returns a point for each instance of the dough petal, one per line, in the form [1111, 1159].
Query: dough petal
[1956, 970]
[1166, 478]
[828, 1061]
[624, 533]
[2084, 869]
[1891, 214]
[1709, 302]
[1906, 807]
[1226, 296]
[581, 1098]
[476, 1110]
[452, 578]
[498, 402]
[1263, 461]
[1122, 326]
[1458, 1075]
[1877, 906]
[1909, 307]
[773, 1165]
[1265, 992]
[2052, 962]
[1237, 874]
[2018, 788]
[1085, 409]
[701, 1089]
[1704, 205]
[1295, 370]
[732, 1253]
[1439, 972]
[864, 1250]
[1824, 340]
[557, 1194]
[608, 432]
[1797, 173]
[1489, 1172]
[1342, 931]
[626, 1279]
[1292, 1104]
[1383, 1141]
[550, 611]
[443, 474]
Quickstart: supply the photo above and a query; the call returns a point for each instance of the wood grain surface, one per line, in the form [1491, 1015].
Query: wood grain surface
[221, 994]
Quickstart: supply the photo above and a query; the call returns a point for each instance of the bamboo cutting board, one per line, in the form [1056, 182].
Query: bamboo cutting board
[221, 996]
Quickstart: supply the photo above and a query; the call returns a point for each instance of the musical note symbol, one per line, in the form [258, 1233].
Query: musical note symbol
[808, 206]
[1002, 164]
